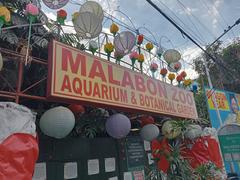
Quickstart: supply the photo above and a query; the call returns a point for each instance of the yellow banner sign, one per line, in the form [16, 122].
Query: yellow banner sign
[221, 100]
[76, 75]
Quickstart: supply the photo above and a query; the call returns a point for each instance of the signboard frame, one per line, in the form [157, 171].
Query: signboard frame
[180, 102]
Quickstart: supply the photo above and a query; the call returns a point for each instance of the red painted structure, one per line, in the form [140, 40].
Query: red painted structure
[19, 92]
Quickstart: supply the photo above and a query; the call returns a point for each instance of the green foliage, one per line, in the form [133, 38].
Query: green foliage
[225, 73]
[91, 124]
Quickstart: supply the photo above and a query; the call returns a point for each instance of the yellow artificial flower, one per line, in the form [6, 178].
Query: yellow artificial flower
[141, 58]
[149, 46]
[114, 28]
[5, 13]
[171, 76]
[187, 82]
[108, 48]
[75, 16]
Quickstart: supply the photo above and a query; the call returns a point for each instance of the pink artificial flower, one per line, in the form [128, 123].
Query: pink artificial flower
[133, 55]
[153, 67]
[32, 9]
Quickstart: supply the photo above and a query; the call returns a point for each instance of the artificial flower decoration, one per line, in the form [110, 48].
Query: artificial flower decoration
[179, 79]
[140, 38]
[133, 56]
[32, 12]
[163, 72]
[171, 77]
[5, 16]
[61, 16]
[183, 74]
[187, 82]
[108, 48]
[149, 46]
[141, 60]
[177, 66]
[153, 68]
[114, 29]
[93, 46]
[118, 56]
[75, 16]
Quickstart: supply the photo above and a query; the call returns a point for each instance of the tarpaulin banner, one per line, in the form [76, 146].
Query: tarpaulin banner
[74, 75]
[18, 155]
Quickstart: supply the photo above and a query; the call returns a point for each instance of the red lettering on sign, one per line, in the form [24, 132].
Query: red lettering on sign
[67, 58]
[66, 84]
[97, 71]
[110, 74]
[127, 81]
[139, 81]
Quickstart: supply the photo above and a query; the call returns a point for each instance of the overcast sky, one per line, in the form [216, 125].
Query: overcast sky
[204, 20]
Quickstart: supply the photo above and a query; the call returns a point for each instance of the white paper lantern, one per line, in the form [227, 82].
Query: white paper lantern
[1, 61]
[57, 122]
[149, 132]
[124, 42]
[169, 131]
[94, 8]
[193, 131]
[87, 25]
[171, 55]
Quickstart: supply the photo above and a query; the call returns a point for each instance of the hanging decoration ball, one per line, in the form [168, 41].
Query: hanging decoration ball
[160, 51]
[114, 29]
[164, 72]
[169, 131]
[93, 46]
[149, 132]
[5, 16]
[124, 42]
[149, 46]
[55, 4]
[171, 55]
[93, 8]
[194, 86]
[118, 126]
[183, 74]
[1, 61]
[57, 122]
[61, 16]
[146, 120]
[76, 108]
[87, 25]
[140, 38]
[193, 131]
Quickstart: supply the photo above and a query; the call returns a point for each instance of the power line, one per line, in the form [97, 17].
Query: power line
[196, 35]
[220, 14]
[196, 19]
[209, 10]
[228, 70]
